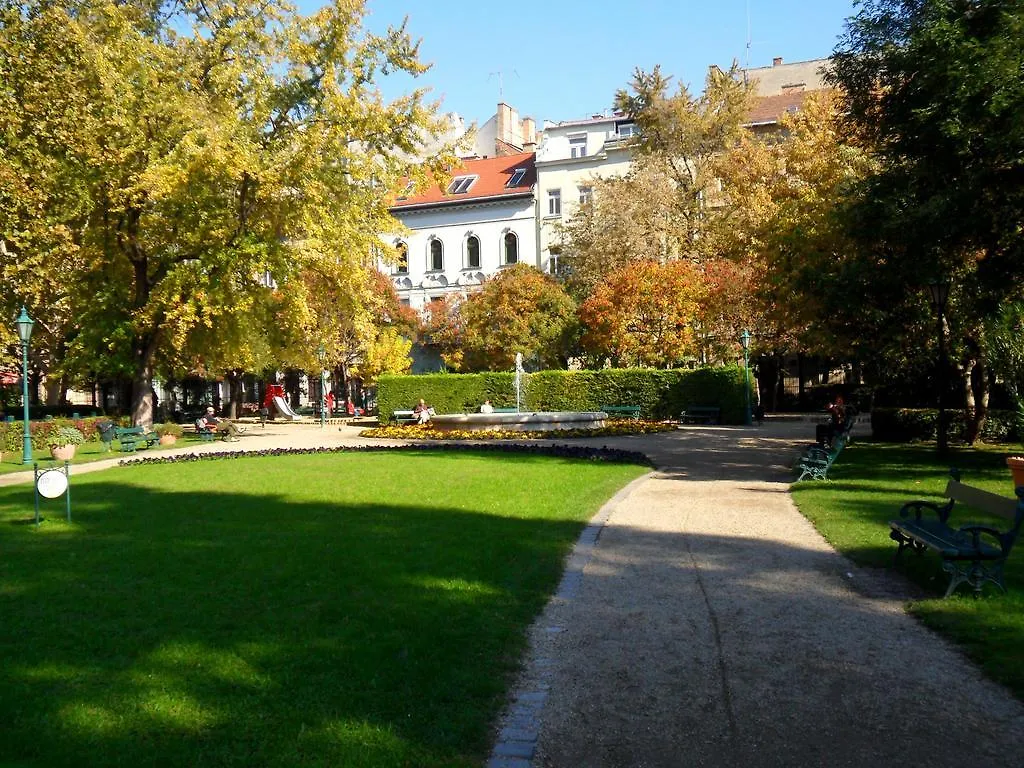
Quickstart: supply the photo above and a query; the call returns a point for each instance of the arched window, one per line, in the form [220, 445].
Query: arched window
[402, 265]
[436, 255]
[473, 252]
[511, 250]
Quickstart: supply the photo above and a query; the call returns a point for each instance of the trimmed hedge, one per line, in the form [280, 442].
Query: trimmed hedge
[903, 425]
[659, 393]
[12, 432]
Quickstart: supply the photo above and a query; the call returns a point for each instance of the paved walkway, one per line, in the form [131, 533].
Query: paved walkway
[707, 623]
[704, 622]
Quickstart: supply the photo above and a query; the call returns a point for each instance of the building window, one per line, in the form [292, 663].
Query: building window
[627, 130]
[517, 177]
[473, 252]
[402, 265]
[436, 255]
[577, 146]
[511, 248]
[586, 194]
[461, 184]
[554, 202]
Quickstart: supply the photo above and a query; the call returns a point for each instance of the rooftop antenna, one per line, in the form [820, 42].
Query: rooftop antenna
[746, 66]
[501, 89]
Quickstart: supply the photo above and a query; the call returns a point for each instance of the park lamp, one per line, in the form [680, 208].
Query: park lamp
[938, 294]
[745, 339]
[24, 323]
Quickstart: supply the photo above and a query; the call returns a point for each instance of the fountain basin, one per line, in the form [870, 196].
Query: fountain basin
[520, 422]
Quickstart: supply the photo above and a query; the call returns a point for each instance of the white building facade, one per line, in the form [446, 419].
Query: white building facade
[570, 156]
[483, 221]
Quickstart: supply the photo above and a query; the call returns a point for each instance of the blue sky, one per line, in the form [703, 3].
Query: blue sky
[564, 61]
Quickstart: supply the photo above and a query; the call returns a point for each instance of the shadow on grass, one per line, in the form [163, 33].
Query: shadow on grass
[225, 629]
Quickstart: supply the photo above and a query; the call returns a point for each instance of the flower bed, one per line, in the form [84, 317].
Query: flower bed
[560, 451]
[426, 432]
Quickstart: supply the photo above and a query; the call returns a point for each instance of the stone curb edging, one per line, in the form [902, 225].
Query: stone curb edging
[519, 725]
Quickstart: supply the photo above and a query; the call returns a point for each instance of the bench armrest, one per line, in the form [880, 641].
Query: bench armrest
[977, 531]
[918, 506]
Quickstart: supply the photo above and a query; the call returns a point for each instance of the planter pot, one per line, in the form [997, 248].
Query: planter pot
[62, 452]
[168, 439]
[1016, 465]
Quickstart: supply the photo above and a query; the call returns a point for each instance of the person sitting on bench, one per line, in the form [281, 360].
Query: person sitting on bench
[422, 412]
[225, 427]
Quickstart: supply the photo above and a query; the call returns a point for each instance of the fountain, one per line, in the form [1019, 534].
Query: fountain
[541, 421]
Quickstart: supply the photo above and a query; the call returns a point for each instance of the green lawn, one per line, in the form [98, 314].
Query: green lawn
[871, 481]
[337, 609]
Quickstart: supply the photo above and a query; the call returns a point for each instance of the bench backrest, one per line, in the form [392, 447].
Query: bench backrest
[129, 431]
[984, 501]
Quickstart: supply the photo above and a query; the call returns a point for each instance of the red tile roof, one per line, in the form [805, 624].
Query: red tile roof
[493, 175]
[770, 109]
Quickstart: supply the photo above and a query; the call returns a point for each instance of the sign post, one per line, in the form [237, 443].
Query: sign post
[52, 483]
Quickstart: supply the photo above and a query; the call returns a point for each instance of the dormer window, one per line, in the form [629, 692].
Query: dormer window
[461, 184]
[578, 146]
[627, 130]
[517, 177]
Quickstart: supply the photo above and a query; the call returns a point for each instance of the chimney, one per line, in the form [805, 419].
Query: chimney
[529, 135]
[776, 61]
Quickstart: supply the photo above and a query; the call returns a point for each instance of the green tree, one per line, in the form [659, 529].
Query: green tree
[255, 144]
[935, 85]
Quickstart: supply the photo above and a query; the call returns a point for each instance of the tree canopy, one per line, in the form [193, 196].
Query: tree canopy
[178, 171]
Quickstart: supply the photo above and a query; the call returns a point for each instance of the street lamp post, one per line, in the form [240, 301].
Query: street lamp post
[938, 294]
[321, 355]
[745, 341]
[24, 323]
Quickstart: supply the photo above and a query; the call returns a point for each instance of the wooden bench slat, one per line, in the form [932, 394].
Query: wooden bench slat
[984, 501]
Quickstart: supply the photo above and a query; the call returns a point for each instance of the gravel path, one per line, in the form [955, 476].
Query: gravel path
[707, 623]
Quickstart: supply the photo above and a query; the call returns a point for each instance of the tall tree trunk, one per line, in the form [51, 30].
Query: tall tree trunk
[142, 380]
[234, 379]
[976, 389]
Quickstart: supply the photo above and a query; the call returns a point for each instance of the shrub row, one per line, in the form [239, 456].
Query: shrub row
[425, 432]
[900, 425]
[12, 432]
[659, 393]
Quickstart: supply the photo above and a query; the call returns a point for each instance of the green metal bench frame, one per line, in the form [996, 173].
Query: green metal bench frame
[966, 555]
[816, 462]
[633, 411]
[130, 437]
[702, 414]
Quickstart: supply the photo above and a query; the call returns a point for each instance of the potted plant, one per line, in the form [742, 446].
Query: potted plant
[1016, 465]
[63, 441]
[169, 432]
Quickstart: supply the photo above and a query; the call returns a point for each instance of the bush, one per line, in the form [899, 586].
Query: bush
[659, 393]
[905, 425]
[170, 428]
[64, 436]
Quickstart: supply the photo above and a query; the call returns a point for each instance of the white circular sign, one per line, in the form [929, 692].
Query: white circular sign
[52, 483]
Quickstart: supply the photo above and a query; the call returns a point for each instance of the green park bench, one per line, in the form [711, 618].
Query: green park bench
[701, 414]
[204, 432]
[632, 411]
[815, 462]
[506, 410]
[970, 553]
[130, 437]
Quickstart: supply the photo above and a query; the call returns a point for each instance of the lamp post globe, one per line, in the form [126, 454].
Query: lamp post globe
[24, 324]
